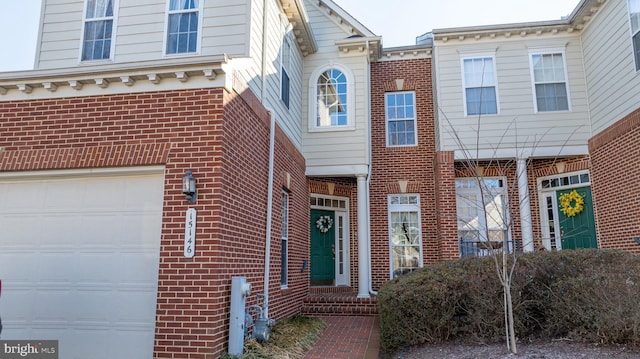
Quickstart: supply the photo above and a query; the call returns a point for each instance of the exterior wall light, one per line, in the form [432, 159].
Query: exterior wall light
[189, 187]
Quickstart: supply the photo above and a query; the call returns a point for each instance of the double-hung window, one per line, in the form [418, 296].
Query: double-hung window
[549, 81]
[404, 233]
[284, 258]
[183, 18]
[634, 18]
[401, 118]
[285, 65]
[480, 86]
[98, 30]
[481, 206]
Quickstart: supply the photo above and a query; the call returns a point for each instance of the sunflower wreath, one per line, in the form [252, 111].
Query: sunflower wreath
[324, 224]
[571, 203]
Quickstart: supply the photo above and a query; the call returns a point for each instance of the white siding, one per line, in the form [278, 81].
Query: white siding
[140, 31]
[335, 148]
[517, 126]
[288, 118]
[610, 70]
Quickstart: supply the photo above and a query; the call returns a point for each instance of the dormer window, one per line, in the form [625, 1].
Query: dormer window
[183, 25]
[98, 30]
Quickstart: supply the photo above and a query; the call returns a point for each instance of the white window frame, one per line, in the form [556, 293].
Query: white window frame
[285, 70]
[169, 12]
[313, 95]
[633, 7]
[114, 26]
[284, 251]
[493, 79]
[542, 52]
[400, 119]
[480, 206]
[406, 207]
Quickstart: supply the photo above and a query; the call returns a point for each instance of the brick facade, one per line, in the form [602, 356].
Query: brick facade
[224, 138]
[615, 183]
[392, 166]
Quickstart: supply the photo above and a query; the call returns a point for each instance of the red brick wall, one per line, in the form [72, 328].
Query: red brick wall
[224, 139]
[414, 164]
[445, 206]
[615, 158]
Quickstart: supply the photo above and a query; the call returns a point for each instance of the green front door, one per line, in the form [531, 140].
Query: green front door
[322, 247]
[578, 231]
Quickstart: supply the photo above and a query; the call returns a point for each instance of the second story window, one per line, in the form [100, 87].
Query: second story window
[331, 99]
[182, 26]
[550, 82]
[285, 65]
[98, 30]
[480, 86]
[401, 118]
[634, 18]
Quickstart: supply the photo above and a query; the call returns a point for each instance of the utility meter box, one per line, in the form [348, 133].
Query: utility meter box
[240, 289]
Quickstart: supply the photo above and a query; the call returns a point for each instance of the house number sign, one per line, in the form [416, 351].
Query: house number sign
[190, 233]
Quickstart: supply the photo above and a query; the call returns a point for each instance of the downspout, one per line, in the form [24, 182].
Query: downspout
[267, 249]
[368, 205]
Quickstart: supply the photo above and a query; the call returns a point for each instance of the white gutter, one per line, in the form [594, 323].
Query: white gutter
[267, 249]
[368, 205]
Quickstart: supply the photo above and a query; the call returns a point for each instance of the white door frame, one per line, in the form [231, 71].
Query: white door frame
[547, 196]
[340, 208]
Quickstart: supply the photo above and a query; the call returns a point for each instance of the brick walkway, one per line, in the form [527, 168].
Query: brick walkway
[348, 338]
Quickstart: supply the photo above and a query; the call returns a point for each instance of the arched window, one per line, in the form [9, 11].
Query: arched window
[331, 99]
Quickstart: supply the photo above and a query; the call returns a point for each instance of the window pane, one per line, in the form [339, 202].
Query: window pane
[404, 229]
[331, 99]
[636, 49]
[99, 8]
[634, 15]
[182, 35]
[479, 72]
[552, 97]
[97, 40]
[400, 119]
[481, 101]
[183, 4]
[405, 260]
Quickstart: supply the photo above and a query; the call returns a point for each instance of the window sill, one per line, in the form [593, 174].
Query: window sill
[332, 129]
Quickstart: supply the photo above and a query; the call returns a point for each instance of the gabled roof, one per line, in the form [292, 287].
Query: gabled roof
[345, 18]
[358, 38]
[576, 21]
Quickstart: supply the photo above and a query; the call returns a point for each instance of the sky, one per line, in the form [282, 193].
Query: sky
[397, 21]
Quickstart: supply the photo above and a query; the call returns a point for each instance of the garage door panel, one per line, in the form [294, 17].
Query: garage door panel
[79, 262]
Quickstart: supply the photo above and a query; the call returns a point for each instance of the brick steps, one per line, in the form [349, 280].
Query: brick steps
[323, 301]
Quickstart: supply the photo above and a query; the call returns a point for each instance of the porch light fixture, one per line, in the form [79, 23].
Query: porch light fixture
[189, 187]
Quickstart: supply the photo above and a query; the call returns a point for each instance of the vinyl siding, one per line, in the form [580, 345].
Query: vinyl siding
[287, 118]
[516, 126]
[609, 66]
[140, 31]
[342, 147]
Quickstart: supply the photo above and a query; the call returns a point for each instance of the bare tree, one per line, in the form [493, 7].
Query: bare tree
[494, 209]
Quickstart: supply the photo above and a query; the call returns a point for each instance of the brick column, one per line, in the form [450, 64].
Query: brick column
[446, 205]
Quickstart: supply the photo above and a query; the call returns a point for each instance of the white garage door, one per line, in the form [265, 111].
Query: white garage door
[79, 260]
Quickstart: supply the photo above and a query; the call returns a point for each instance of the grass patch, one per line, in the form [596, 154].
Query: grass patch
[290, 339]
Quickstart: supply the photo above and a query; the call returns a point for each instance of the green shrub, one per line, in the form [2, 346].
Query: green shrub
[585, 294]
